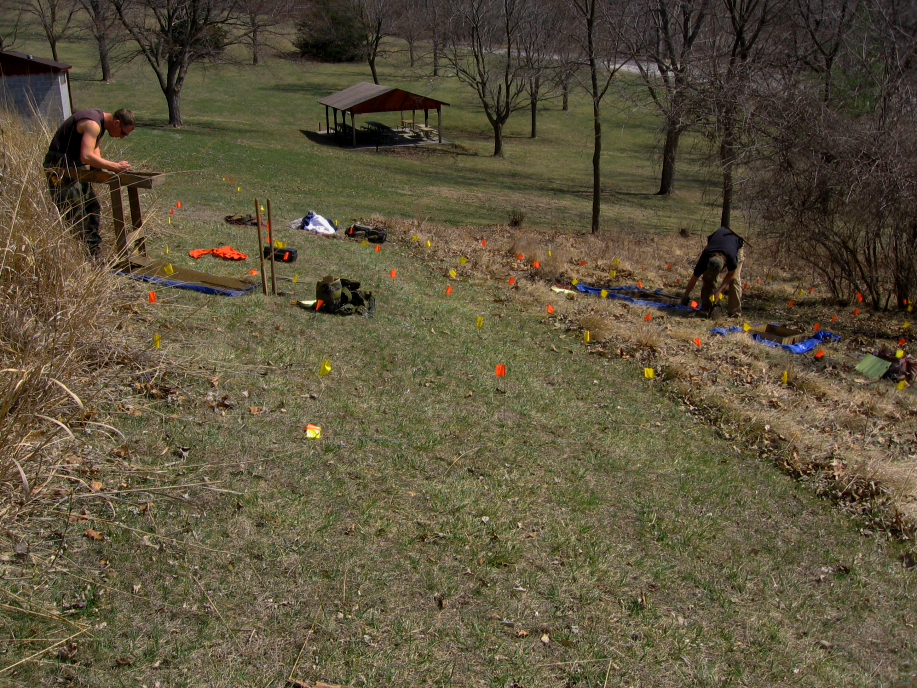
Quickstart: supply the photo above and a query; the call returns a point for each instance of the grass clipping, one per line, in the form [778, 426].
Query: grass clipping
[61, 322]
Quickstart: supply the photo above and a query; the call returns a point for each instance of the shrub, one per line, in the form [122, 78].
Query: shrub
[331, 33]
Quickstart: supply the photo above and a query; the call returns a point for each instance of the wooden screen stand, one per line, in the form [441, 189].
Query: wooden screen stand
[127, 243]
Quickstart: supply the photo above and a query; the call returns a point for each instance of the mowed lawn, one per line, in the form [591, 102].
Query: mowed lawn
[565, 525]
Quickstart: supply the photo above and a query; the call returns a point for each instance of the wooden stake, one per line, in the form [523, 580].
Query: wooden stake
[260, 249]
[270, 231]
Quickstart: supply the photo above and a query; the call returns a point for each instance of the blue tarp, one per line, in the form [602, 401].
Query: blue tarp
[798, 348]
[614, 293]
[178, 284]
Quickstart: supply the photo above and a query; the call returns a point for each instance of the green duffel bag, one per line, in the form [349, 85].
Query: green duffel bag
[342, 296]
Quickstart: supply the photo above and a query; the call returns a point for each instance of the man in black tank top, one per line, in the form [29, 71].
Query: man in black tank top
[75, 145]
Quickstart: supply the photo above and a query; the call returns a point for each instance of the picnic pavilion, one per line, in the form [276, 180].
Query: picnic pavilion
[365, 98]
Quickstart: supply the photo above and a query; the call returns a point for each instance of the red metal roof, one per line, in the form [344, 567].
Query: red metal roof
[14, 63]
[363, 98]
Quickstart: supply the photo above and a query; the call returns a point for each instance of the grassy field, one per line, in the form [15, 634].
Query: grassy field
[565, 525]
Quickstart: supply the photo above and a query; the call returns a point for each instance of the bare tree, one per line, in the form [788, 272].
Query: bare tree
[9, 30]
[54, 17]
[541, 44]
[102, 23]
[261, 19]
[665, 39]
[172, 35]
[823, 28]
[376, 20]
[483, 49]
[734, 69]
[604, 53]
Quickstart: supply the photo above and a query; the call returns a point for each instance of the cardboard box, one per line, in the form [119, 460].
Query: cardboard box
[781, 335]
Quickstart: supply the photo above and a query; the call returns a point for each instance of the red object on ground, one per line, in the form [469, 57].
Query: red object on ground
[791, 303]
[694, 304]
[816, 327]
[519, 256]
[171, 211]
[448, 290]
[536, 264]
[178, 204]
[859, 297]
[483, 242]
[819, 353]
[582, 262]
[640, 285]
[392, 273]
[512, 279]
[152, 297]
[669, 266]
[550, 308]
[501, 370]
[900, 341]
[378, 248]
[833, 318]
[697, 340]
[227, 252]
[649, 316]
[856, 311]
[252, 272]
[318, 304]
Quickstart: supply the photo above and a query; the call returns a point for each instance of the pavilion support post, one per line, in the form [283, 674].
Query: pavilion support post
[326, 119]
[439, 123]
[353, 127]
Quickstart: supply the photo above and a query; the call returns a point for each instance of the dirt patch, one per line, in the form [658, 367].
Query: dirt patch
[854, 438]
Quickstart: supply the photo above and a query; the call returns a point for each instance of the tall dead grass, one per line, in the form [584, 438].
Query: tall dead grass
[60, 323]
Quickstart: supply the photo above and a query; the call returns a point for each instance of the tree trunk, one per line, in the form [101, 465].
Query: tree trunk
[534, 104]
[596, 168]
[669, 151]
[255, 46]
[53, 49]
[173, 98]
[104, 61]
[726, 154]
[498, 139]
[566, 93]
[372, 68]
[435, 57]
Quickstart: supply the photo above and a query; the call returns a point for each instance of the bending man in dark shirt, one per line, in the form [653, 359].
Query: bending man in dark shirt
[75, 145]
[723, 254]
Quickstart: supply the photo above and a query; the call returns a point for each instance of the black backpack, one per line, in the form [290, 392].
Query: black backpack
[374, 235]
[342, 296]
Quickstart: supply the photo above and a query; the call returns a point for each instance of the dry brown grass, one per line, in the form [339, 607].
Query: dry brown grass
[825, 417]
[61, 323]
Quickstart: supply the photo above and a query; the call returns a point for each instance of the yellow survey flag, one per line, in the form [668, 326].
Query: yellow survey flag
[785, 378]
[604, 293]
[901, 385]
[295, 277]
[414, 237]
[712, 299]
[313, 432]
[899, 354]
[649, 373]
[586, 336]
[746, 327]
[452, 273]
[364, 242]
[549, 254]
[325, 368]
[463, 260]
[906, 324]
[156, 341]
[427, 244]
[574, 281]
[615, 261]
[480, 321]
[168, 269]
[612, 273]
[167, 250]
